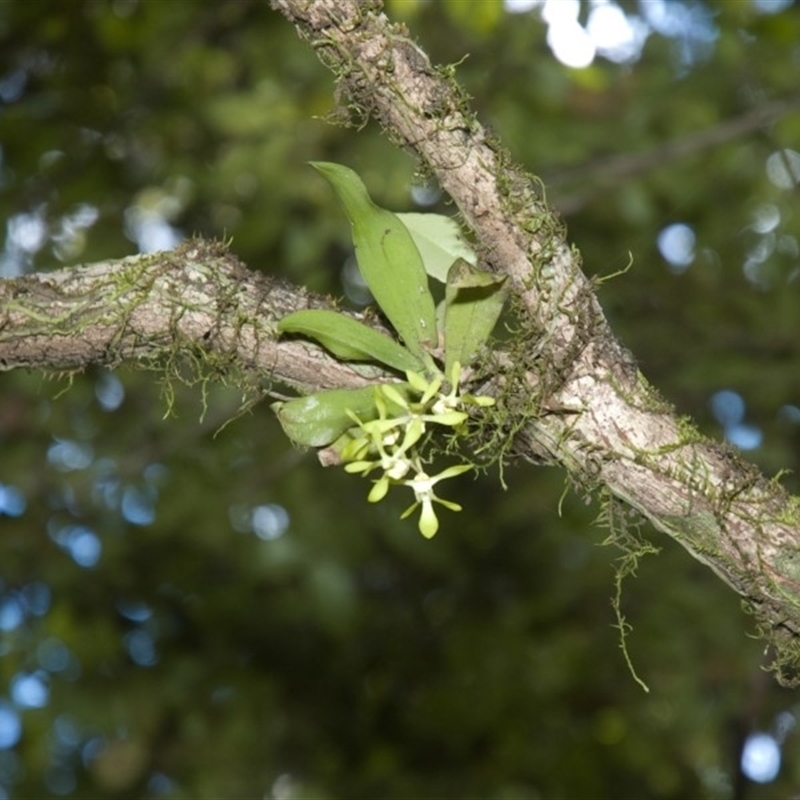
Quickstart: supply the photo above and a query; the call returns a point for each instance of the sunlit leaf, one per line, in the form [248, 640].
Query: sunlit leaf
[473, 302]
[319, 419]
[349, 339]
[439, 241]
[388, 259]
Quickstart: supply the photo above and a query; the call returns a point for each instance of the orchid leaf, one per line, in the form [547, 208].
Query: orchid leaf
[389, 261]
[439, 241]
[349, 339]
[319, 419]
[473, 302]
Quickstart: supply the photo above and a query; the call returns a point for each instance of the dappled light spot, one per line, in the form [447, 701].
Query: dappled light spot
[11, 615]
[36, 597]
[69, 240]
[676, 244]
[66, 732]
[620, 37]
[772, 6]
[10, 725]
[239, 516]
[138, 505]
[82, 544]
[425, 196]
[85, 549]
[766, 217]
[754, 266]
[690, 25]
[106, 487]
[284, 786]
[761, 758]
[30, 689]
[68, 455]
[109, 392]
[617, 36]
[789, 413]
[26, 232]
[745, 437]
[783, 168]
[149, 230]
[160, 784]
[61, 780]
[269, 521]
[728, 407]
[92, 749]
[566, 37]
[134, 611]
[12, 501]
[53, 655]
[520, 6]
[12, 84]
[353, 283]
[785, 723]
[154, 474]
[141, 647]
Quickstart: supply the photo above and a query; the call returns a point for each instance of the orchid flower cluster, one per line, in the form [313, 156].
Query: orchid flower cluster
[389, 428]
[392, 443]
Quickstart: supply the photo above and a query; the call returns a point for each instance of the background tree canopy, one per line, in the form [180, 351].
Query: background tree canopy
[190, 608]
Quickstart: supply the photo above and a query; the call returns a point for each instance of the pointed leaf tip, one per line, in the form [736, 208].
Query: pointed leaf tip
[388, 259]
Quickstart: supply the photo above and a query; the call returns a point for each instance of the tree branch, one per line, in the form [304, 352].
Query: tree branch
[587, 406]
[601, 173]
[156, 308]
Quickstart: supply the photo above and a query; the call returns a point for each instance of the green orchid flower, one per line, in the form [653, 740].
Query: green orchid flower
[423, 484]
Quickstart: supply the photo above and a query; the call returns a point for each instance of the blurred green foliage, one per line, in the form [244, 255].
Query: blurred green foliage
[249, 626]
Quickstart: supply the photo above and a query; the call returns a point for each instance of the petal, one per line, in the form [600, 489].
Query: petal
[418, 383]
[448, 504]
[409, 511]
[414, 431]
[360, 466]
[378, 427]
[428, 524]
[451, 472]
[451, 418]
[431, 391]
[478, 400]
[379, 490]
[455, 376]
[392, 394]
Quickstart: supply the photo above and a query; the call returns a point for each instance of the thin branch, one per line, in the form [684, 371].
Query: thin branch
[601, 173]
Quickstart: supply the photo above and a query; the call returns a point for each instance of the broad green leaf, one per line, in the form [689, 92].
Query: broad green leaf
[439, 241]
[319, 419]
[349, 339]
[388, 259]
[473, 302]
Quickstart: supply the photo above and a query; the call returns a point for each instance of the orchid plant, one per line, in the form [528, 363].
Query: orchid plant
[387, 429]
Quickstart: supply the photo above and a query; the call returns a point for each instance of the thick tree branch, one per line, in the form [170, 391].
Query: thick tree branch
[156, 308]
[589, 407]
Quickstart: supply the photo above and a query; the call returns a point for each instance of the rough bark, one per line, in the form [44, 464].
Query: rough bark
[196, 304]
[576, 395]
